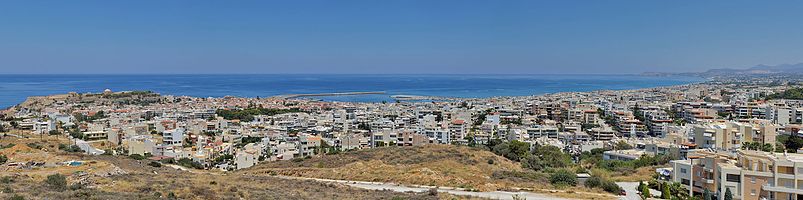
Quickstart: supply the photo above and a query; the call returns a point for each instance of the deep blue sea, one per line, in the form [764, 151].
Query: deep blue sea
[15, 88]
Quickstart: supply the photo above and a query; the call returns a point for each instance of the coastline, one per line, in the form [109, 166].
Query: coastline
[329, 87]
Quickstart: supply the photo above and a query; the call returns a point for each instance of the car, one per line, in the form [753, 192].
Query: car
[622, 193]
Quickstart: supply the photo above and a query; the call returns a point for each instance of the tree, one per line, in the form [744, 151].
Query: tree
[707, 195]
[665, 193]
[563, 177]
[622, 145]
[513, 150]
[794, 93]
[767, 147]
[728, 194]
[532, 162]
[793, 143]
[779, 148]
[645, 192]
[640, 186]
[3, 159]
[552, 156]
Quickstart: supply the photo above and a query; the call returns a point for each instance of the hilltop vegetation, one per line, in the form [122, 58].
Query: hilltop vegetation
[794, 93]
[248, 113]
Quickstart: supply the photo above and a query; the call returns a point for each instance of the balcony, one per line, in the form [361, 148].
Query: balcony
[790, 189]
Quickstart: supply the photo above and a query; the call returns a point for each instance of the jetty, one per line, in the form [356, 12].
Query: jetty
[290, 96]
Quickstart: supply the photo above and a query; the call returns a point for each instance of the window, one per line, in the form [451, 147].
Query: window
[683, 170]
[684, 181]
[733, 178]
[753, 192]
[752, 179]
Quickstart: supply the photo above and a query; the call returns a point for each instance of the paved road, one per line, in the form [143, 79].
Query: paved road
[632, 192]
[420, 188]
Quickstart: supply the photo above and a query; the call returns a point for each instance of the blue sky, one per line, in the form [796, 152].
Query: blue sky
[396, 36]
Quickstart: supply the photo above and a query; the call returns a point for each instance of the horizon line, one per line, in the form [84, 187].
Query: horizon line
[510, 74]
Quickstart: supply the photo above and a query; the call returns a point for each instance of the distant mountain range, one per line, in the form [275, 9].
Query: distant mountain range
[757, 70]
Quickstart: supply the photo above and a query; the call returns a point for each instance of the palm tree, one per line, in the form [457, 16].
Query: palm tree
[60, 124]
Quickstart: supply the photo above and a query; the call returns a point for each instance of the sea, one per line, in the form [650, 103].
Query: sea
[14, 89]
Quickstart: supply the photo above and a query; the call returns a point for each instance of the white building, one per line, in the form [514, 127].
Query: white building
[173, 137]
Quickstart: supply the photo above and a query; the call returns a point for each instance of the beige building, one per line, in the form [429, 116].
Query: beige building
[748, 174]
[731, 135]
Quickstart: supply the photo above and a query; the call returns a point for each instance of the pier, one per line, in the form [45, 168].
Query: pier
[290, 96]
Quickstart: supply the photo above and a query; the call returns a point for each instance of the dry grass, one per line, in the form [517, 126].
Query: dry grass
[137, 180]
[201, 186]
[641, 174]
[436, 165]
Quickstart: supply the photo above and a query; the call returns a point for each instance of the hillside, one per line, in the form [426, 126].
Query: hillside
[759, 69]
[783, 69]
[434, 165]
[438, 165]
[442, 165]
[120, 177]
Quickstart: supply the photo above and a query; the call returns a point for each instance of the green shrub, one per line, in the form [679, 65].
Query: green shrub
[563, 177]
[155, 164]
[56, 182]
[6, 180]
[612, 187]
[136, 156]
[34, 145]
[186, 162]
[17, 197]
[70, 148]
[593, 182]
[77, 186]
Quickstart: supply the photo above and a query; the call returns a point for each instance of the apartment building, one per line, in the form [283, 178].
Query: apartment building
[657, 122]
[438, 135]
[383, 138]
[539, 131]
[458, 129]
[409, 138]
[731, 135]
[751, 110]
[786, 115]
[173, 137]
[748, 174]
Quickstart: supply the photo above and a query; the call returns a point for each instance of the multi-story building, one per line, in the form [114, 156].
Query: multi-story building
[748, 174]
[458, 129]
[751, 110]
[731, 135]
[173, 137]
[409, 138]
[602, 134]
[786, 115]
[542, 131]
